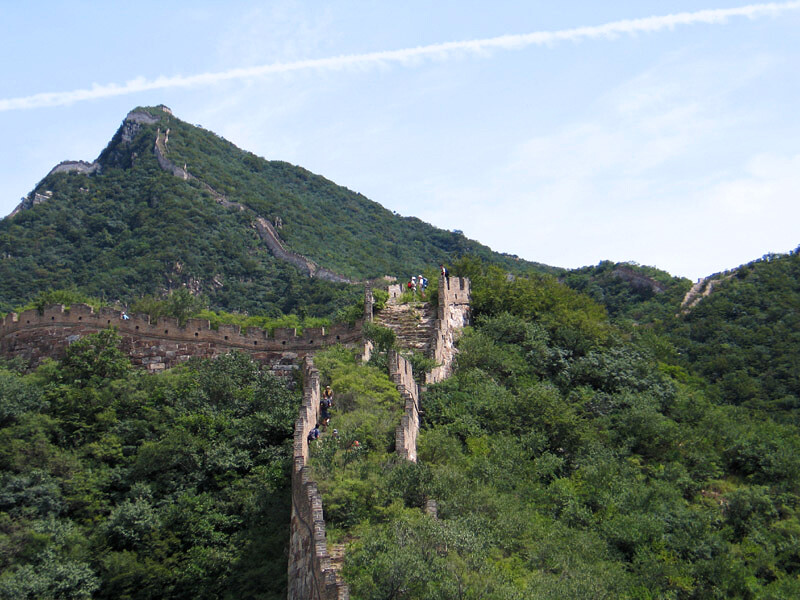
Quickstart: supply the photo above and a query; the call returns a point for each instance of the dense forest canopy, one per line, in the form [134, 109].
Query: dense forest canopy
[117, 484]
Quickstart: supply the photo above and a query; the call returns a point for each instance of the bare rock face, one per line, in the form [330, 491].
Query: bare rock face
[638, 280]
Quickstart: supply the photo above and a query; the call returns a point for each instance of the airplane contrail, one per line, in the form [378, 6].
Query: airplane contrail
[440, 51]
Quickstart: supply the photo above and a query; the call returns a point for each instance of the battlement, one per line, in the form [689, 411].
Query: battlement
[168, 328]
[454, 290]
[163, 344]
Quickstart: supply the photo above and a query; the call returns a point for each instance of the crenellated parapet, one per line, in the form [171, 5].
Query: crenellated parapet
[163, 344]
[402, 375]
[453, 314]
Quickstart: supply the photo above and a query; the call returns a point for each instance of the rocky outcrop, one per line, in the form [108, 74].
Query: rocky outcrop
[638, 280]
[133, 124]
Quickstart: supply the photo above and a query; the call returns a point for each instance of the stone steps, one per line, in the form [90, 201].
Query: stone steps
[413, 324]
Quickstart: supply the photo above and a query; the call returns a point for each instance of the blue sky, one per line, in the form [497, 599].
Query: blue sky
[667, 140]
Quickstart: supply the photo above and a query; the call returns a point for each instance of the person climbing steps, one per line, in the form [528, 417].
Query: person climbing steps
[325, 406]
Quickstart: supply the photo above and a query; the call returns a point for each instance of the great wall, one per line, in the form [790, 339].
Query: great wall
[313, 575]
[161, 345]
[156, 346]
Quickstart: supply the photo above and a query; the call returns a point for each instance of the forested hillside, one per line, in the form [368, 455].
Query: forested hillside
[744, 338]
[570, 456]
[567, 461]
[630, 292]
[131, 228]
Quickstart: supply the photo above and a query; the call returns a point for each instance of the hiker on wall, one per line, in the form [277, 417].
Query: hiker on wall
[325, 405]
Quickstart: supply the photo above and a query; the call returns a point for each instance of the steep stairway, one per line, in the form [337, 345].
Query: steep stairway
[413, 323]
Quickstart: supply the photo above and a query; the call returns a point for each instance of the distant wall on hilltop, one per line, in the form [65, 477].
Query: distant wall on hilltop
[157, 346]
[75, 166]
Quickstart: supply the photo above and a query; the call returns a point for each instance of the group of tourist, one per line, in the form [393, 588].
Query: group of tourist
[417, 284]
[325, 406]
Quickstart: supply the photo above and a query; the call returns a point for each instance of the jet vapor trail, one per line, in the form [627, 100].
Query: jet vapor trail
[405, 56]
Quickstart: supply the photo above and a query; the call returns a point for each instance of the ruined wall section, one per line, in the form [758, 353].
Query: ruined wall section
[395, 291]
[157, 346]
[160, 150]
[311, 575]
[402, 374]
[453, 315]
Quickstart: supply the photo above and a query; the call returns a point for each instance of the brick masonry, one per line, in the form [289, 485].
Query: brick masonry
[162, 345]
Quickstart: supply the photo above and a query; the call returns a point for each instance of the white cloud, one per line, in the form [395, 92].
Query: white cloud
[405, 56]
[768, 188]
[641, 178]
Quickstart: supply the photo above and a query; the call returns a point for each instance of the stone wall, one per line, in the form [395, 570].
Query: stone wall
[157, 346]
[75, 166]
[273, 242]
[395, 291]
[453, 315]
[311, 575]
[401, 373]
[266, 231]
